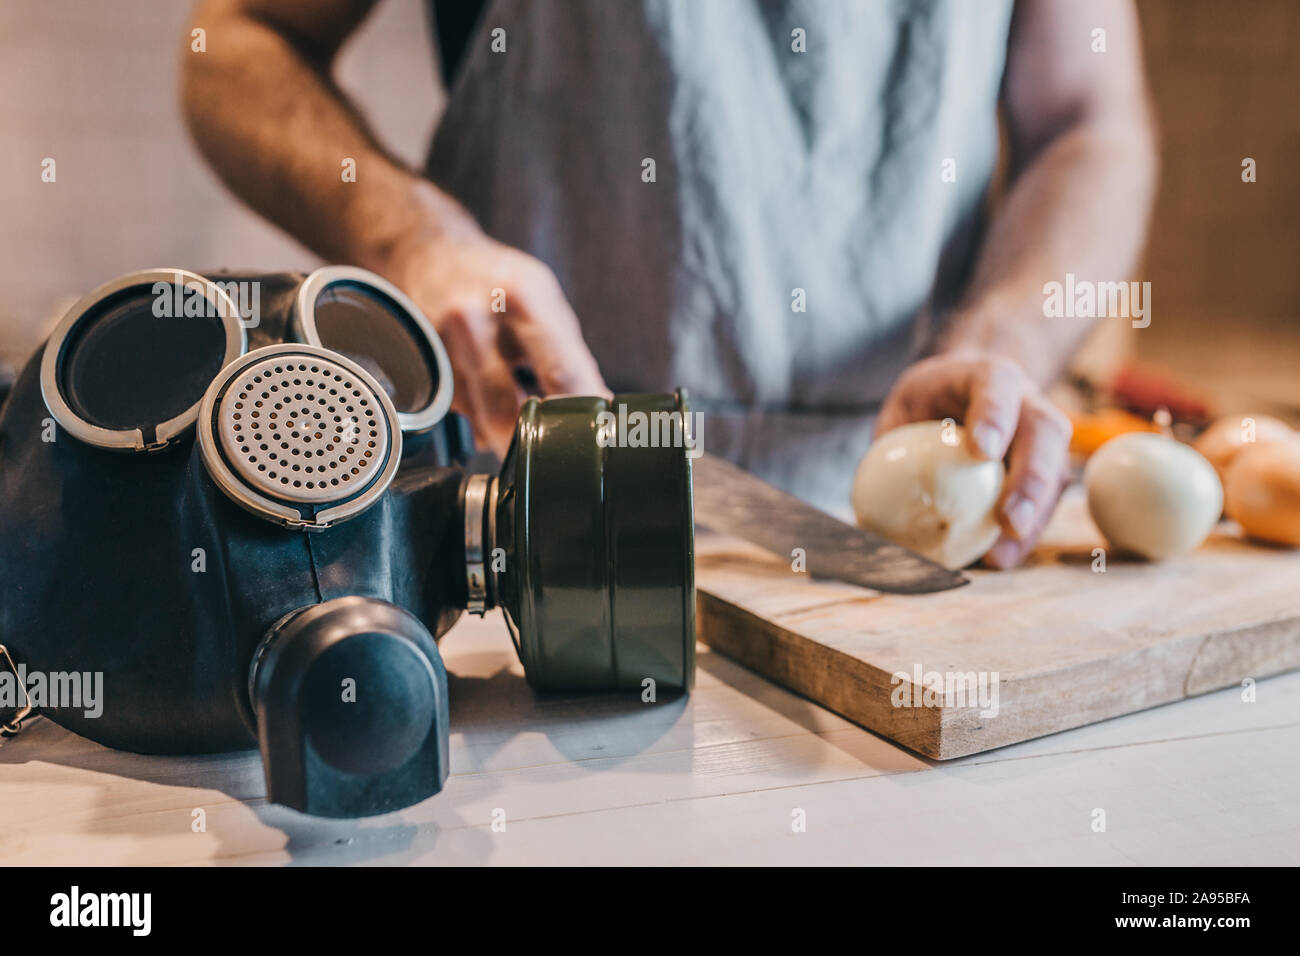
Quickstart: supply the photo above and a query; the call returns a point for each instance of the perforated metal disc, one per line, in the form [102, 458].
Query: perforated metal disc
[305, 436]
[303, 430]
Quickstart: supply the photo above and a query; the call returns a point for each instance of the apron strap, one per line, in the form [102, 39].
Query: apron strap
[454, 24]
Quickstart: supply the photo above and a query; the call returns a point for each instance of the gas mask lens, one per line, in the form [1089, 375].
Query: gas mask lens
[127, 367]
[372, 322]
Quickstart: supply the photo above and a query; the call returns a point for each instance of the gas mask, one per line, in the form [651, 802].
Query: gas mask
[238, 499]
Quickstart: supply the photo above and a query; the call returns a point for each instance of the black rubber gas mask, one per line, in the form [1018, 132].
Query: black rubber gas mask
[235, 497]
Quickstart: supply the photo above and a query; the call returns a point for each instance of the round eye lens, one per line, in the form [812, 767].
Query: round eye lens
[368, 328]
[368, 319]
[125, 367]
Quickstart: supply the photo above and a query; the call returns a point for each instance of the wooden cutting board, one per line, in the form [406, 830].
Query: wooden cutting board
[1069, 644]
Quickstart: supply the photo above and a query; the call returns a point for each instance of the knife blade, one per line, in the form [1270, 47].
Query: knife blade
[731, 500]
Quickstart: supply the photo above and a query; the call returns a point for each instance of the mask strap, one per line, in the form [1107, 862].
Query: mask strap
[15, 724]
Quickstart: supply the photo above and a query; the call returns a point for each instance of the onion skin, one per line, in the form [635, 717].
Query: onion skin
[1152, 496]
[1225, 439]
[1262, 492]
[932, 496]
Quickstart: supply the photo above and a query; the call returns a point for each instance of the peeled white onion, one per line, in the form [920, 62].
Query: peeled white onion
[920, 487]
[1151, 495]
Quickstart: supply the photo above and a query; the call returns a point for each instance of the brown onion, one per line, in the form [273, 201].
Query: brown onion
[1224, 440]
[1262, 492]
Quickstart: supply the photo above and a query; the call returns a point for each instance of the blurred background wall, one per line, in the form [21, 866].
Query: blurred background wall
[93, 85]
[1224, 256]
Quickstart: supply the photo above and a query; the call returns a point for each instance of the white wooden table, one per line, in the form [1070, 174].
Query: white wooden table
[719, 778]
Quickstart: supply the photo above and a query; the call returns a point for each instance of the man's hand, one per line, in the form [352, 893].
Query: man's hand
[497, 310]
[1005, 416]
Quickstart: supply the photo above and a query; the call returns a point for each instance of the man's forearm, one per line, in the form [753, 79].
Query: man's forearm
[1080, 135]
[286, 156]
[1081, 206]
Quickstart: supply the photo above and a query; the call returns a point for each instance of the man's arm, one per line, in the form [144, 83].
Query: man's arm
[1083, 171]
[1083, 178]
[263, 108]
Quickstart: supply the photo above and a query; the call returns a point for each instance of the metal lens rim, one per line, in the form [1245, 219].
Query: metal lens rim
[132, 439]
[235, 488]
[479, 494]
[304, 326]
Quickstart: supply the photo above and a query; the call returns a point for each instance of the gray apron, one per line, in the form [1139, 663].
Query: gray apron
[779, 176]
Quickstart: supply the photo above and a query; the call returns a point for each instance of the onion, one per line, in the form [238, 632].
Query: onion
[920, 487]
[1263, 492]
[1224, 440]
[1151, 495]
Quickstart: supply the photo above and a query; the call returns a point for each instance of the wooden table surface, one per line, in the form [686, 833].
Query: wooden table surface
[721, 778]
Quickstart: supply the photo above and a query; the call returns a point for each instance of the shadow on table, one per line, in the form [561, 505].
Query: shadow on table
[236, 826]
[592, 732]
[598, 730]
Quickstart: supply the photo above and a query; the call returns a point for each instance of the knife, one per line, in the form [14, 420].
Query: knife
[732, 500]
